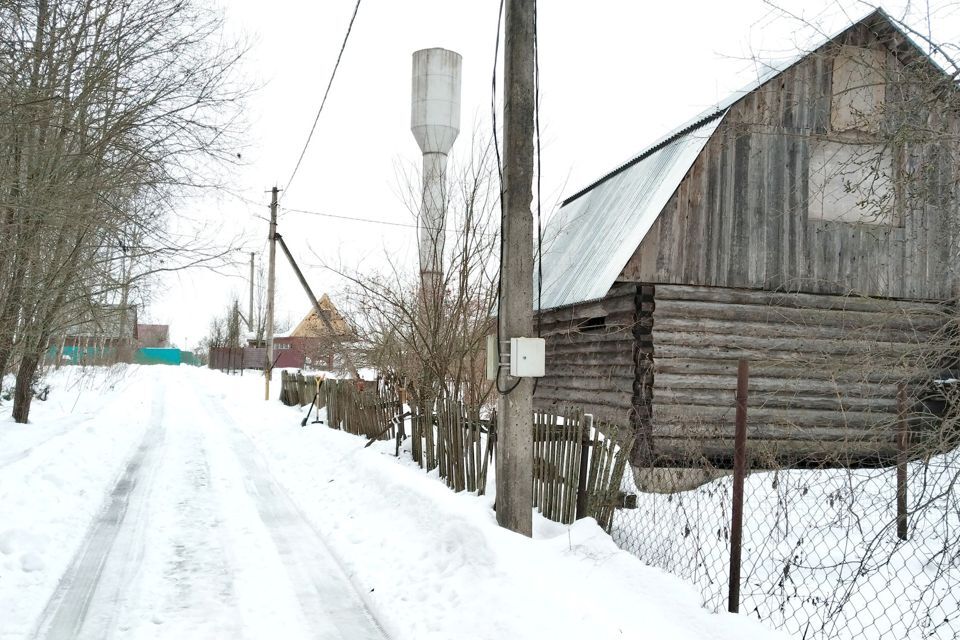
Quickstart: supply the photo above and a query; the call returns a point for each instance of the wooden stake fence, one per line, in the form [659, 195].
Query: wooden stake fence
[462, 451]
[609, 447]
[577, 468]
[556, 464]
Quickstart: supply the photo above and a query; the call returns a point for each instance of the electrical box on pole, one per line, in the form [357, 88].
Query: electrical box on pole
[527, 357]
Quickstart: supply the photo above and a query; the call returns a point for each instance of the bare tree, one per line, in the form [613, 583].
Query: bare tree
[432, 342]
[112, 108]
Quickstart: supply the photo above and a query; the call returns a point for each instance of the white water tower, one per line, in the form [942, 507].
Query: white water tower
[435, 122]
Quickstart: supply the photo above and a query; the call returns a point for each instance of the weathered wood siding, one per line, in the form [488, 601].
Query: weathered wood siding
[824, 373]
[593, 369]
[740, 218]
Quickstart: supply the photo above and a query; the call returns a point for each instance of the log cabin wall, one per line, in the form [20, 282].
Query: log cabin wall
[590, 356]
[742, 216]
[832, 306]
[824, 373]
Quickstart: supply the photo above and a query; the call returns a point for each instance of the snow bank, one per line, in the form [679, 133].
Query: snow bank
[54, 474]
[434, 564]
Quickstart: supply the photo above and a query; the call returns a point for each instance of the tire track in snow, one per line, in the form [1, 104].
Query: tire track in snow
[23, 453]
[328, 598]
[66, 611]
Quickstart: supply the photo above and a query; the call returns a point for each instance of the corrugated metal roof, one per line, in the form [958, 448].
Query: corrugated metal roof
[591, 238]
[589, 241]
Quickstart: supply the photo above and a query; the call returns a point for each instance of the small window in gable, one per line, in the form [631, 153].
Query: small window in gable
[859, 88]
[593, 324]
[852, 183]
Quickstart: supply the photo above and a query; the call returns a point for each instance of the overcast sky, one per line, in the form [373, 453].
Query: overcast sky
[615, 75]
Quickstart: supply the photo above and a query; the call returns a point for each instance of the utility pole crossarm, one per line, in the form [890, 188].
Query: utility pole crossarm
[347, 359]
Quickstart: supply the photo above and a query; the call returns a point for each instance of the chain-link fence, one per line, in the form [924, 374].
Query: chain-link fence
[821, 555]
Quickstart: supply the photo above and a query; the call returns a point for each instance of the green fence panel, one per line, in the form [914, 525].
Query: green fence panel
[154, 355]
[145, 355]
[81, 355]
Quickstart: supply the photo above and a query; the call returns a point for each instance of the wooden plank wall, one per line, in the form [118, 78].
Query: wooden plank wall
[740, 216]
[591, 369]
[824, 374]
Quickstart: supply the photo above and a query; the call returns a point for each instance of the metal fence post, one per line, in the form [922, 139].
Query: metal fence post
[739, 471]
[903, 442]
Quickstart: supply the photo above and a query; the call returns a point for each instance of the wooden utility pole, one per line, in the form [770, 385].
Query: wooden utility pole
[271, 274]
[250, 307]
[515, 407]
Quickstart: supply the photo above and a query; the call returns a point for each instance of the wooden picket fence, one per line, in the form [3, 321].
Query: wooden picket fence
[297, 389]
[578, 465]
[609, 446]
[464, 448]
[557, 451]
[361, 412]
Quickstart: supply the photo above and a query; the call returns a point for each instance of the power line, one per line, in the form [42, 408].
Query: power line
[242, 198]
[384, 222]
[326, 94]
[352, 219]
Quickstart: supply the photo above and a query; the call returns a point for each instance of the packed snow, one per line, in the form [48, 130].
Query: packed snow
[174, 502]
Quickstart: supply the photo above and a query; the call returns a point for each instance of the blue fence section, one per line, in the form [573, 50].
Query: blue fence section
[155, 355]
[102, 355]
[82, 355]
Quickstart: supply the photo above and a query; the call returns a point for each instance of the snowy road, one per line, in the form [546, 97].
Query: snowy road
[197, 540]
[173, 502]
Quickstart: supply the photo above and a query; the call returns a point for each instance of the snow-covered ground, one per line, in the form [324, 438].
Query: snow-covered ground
[160, 502]
[821, 557]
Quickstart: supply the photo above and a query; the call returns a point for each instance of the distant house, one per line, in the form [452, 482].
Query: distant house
[314, 339]
[153, 335]
[103, 333]
[747, 233]
[105, 325]
[310, 343]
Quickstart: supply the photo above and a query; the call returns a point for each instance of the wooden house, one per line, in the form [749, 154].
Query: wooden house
[805, 224]
[310, 343]
[153, 336]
